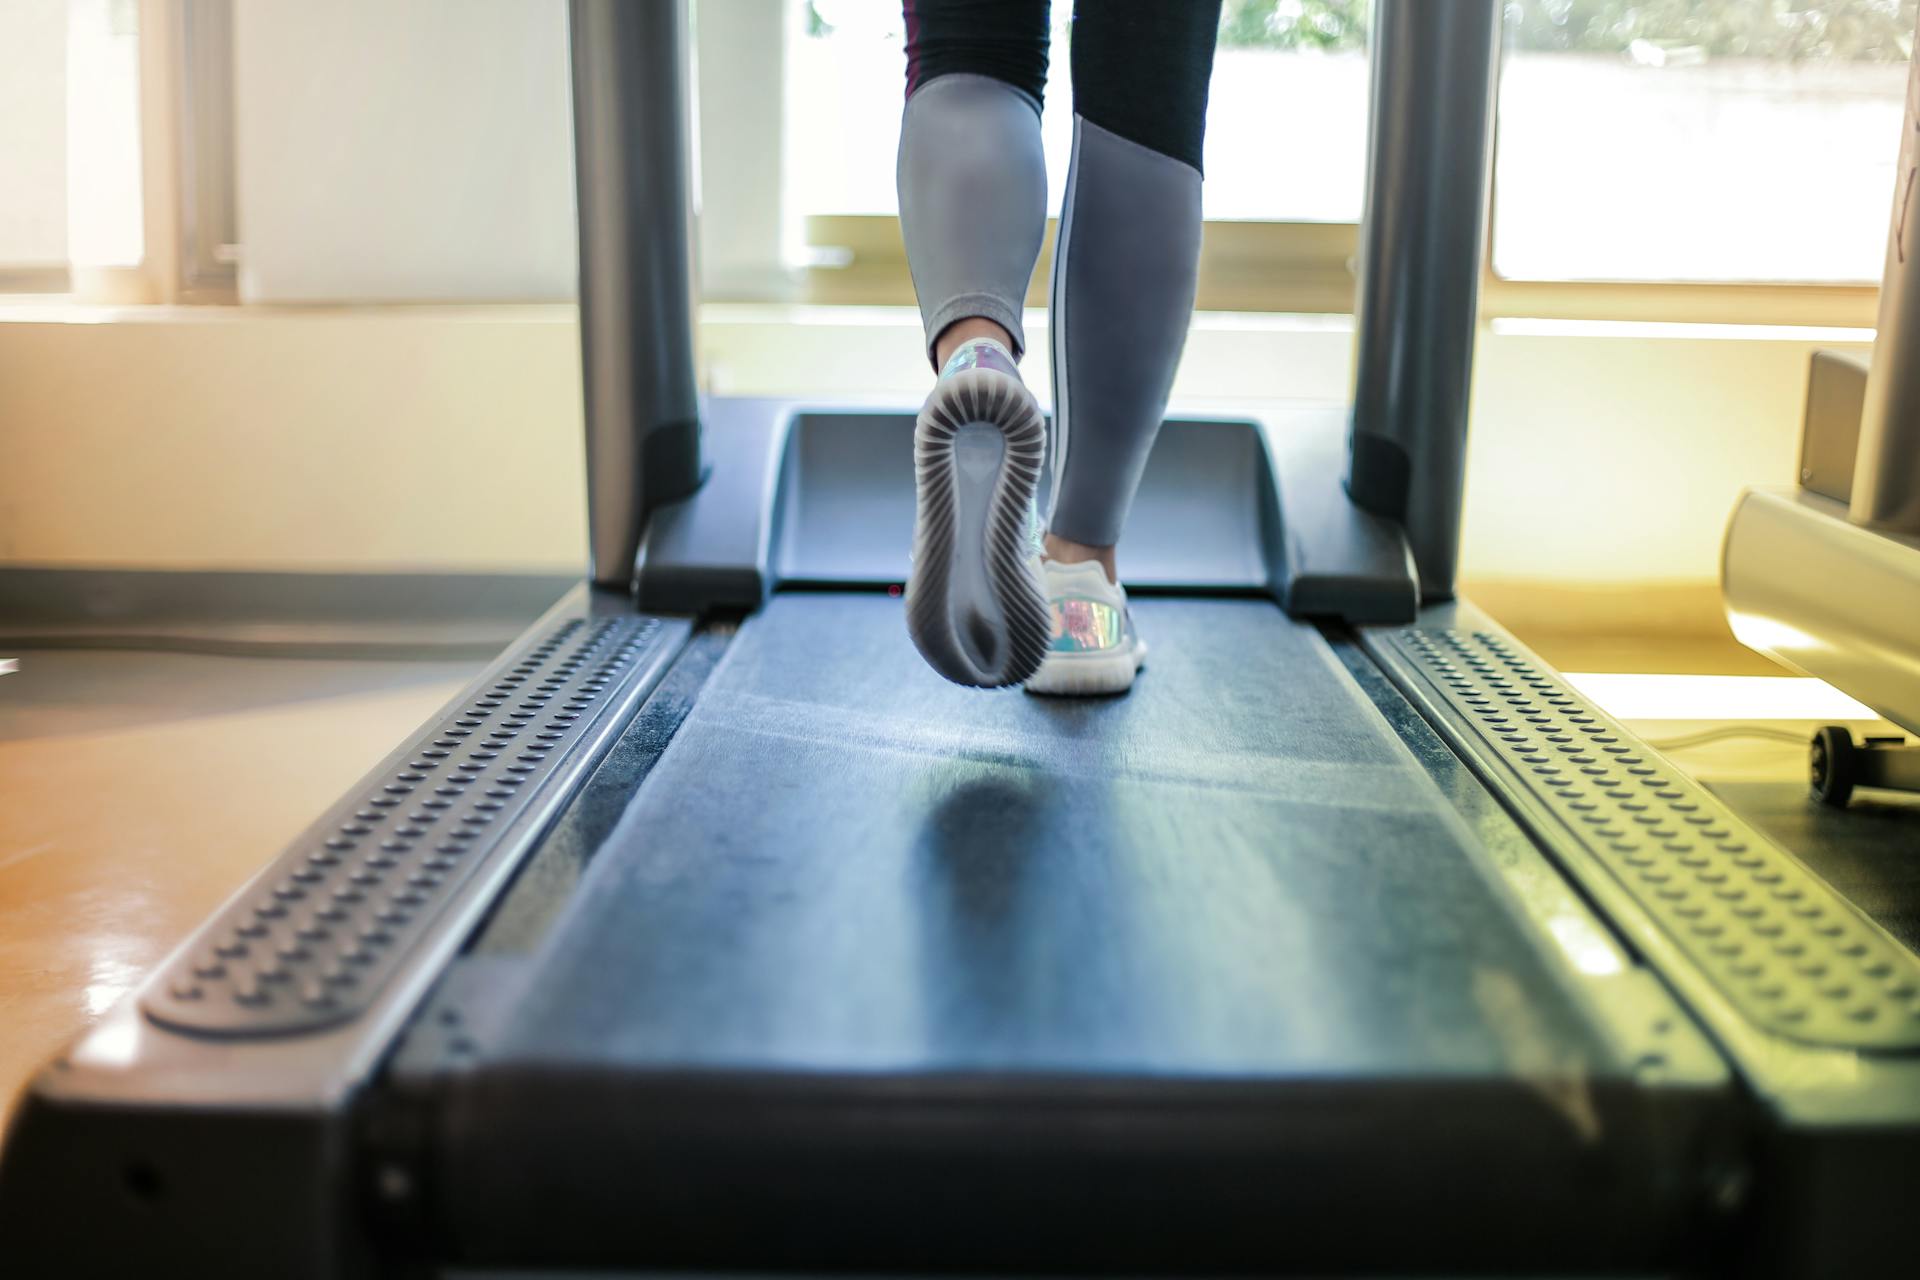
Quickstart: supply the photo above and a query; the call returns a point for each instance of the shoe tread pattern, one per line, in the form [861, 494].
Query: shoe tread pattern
[977, 396]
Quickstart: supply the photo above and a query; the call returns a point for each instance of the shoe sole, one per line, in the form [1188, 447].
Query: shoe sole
[974, 610]
[1081, 675]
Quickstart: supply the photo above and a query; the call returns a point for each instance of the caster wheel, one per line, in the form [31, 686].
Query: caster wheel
[1831, 765]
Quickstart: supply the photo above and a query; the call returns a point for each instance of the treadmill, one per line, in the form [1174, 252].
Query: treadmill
[708, 929]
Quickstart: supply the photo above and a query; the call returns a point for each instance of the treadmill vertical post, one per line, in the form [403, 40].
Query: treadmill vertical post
[1886, 466]
[1429, 164]
[631, 166]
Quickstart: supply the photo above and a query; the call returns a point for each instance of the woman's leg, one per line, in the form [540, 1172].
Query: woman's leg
[972, 178]
[1127, 255]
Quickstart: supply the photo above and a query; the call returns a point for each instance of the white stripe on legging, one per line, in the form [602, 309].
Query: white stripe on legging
[1057, 323]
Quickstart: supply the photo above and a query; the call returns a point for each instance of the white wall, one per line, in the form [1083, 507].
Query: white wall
[1601, 456]
[1612, 454]
[311, 439]
[403, 150]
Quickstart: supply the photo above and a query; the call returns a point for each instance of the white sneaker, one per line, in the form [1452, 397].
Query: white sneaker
[1095, 647]
[974, 604]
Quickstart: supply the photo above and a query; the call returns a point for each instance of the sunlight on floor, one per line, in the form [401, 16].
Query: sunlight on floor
[1663, 697]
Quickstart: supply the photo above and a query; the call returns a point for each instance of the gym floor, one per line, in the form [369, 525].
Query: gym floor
[138, 790]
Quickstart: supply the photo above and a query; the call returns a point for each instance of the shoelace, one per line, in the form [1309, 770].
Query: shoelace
[1036, 529]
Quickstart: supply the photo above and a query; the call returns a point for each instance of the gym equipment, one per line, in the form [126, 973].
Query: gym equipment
[1837, 764]
[707, 929]
[1825, 578]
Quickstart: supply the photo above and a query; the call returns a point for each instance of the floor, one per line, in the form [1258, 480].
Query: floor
[138, 790]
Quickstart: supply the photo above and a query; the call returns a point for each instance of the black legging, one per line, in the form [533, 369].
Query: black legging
[1140, 67]
[973, 212]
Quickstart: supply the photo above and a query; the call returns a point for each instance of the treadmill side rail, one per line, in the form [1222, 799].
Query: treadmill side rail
[365, 883]
[1782, 950]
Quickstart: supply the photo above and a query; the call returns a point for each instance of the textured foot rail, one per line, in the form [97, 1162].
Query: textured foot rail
[1786, 950]
[311, 945]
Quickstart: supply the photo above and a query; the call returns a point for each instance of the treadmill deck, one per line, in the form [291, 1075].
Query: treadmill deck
[1127, 981]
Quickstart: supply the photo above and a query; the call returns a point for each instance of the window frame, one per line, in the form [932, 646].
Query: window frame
[1308, 267]
[32, 276]
[200, 73]
[185, 101]
[35, 280]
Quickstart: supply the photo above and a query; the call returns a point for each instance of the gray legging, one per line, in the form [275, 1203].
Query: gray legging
[973, 194]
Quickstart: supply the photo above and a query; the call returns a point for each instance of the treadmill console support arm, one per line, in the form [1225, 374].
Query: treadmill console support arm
[1886, 468]
[1429, 164]
[637, 278]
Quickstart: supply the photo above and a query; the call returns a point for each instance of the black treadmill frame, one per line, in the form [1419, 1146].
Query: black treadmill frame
[308, 1155]
[317, 1154]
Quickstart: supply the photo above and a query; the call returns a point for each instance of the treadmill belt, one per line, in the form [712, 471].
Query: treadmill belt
[844, 863]
[880, 972]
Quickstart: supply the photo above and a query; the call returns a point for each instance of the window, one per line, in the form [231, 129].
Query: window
[1708, 140]
[1657, 159]
[105, 223]
[1286, 131]
[33, 145]
[1671, 160]
[1287, 113]
[93, 109]
[69, 140]
[1285, 158]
